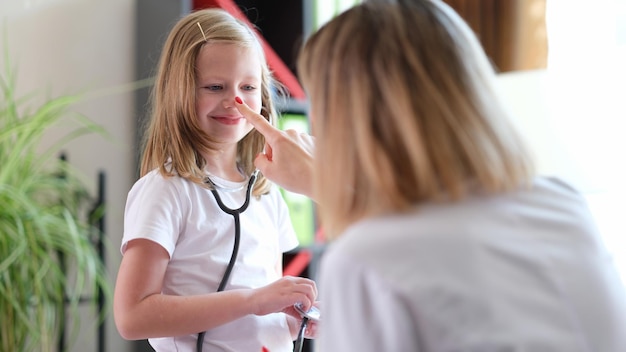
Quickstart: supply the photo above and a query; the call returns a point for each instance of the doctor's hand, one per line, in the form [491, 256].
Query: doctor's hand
[288, 157]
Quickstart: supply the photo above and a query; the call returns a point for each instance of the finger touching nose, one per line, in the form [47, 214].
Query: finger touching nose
[257, 120]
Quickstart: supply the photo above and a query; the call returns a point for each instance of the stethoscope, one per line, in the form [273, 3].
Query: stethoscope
[235, 214]
[233, 257]
[312, 314]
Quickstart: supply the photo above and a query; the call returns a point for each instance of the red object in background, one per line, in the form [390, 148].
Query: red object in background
[298, 264]
[281, 71]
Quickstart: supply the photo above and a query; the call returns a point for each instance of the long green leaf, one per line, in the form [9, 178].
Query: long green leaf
[47, 256]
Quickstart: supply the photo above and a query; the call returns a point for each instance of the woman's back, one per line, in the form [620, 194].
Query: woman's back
[524, 271]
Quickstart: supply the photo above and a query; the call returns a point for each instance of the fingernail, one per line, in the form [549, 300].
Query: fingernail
[263, 349]
[238, 100]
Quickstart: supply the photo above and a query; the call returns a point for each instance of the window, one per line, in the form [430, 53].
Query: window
[586, 83]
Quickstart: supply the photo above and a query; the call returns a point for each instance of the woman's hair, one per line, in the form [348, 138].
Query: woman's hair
[174, 134]
[404, 112]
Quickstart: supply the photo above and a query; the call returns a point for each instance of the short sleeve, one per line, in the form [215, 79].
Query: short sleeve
[153, 211]
[287, 235]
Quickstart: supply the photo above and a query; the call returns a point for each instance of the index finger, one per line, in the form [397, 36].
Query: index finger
[257, 120]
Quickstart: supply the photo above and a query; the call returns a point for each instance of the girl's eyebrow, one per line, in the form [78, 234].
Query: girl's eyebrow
[246, 79]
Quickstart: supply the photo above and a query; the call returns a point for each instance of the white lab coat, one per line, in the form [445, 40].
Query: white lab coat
[524, 271]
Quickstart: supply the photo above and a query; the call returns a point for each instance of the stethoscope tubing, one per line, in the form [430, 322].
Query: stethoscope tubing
[300, 339]
[233, 257]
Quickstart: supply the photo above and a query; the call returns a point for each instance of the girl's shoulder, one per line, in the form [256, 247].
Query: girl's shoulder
[277, 196]
[157, 182]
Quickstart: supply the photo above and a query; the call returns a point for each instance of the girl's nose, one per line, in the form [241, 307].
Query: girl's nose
[228, 103]
[229, 98]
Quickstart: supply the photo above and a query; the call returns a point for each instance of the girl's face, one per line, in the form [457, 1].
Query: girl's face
[225, 71]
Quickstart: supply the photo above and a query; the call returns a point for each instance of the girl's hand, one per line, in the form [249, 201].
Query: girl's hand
[310, 332]
[282, 294]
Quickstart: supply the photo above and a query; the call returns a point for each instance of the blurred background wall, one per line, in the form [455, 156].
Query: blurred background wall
[83, 46]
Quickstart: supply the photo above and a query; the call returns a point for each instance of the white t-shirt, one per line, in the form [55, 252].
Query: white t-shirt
[185, 219]
[520, 272]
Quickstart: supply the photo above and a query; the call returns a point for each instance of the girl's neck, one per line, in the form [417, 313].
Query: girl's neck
[224, 166]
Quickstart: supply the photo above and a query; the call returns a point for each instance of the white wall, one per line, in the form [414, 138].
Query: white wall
[69, 46]
[573, 114]
[574, 124]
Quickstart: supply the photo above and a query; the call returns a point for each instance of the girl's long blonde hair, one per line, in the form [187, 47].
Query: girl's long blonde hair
[404, 111]
[173, 133]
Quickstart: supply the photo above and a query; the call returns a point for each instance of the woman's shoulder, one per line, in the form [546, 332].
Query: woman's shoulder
[438, 223]
[548, 192]
[554, 184]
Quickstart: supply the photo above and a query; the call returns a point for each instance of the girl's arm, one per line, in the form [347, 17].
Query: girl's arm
[141, 311]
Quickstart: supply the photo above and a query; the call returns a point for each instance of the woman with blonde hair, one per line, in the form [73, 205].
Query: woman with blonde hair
[441, 236]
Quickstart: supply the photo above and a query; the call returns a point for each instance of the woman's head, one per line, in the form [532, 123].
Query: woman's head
[404, 112]
[175, 132]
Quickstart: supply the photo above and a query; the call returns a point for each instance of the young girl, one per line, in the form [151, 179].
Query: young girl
[179, 247]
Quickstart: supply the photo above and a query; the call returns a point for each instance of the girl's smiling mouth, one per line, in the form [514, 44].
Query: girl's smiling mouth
[227, 120]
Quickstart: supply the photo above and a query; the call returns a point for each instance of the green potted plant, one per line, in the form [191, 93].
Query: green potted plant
[48, 261]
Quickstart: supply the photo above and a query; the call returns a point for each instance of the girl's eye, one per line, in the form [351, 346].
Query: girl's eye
[249, 87]
[213, 87]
